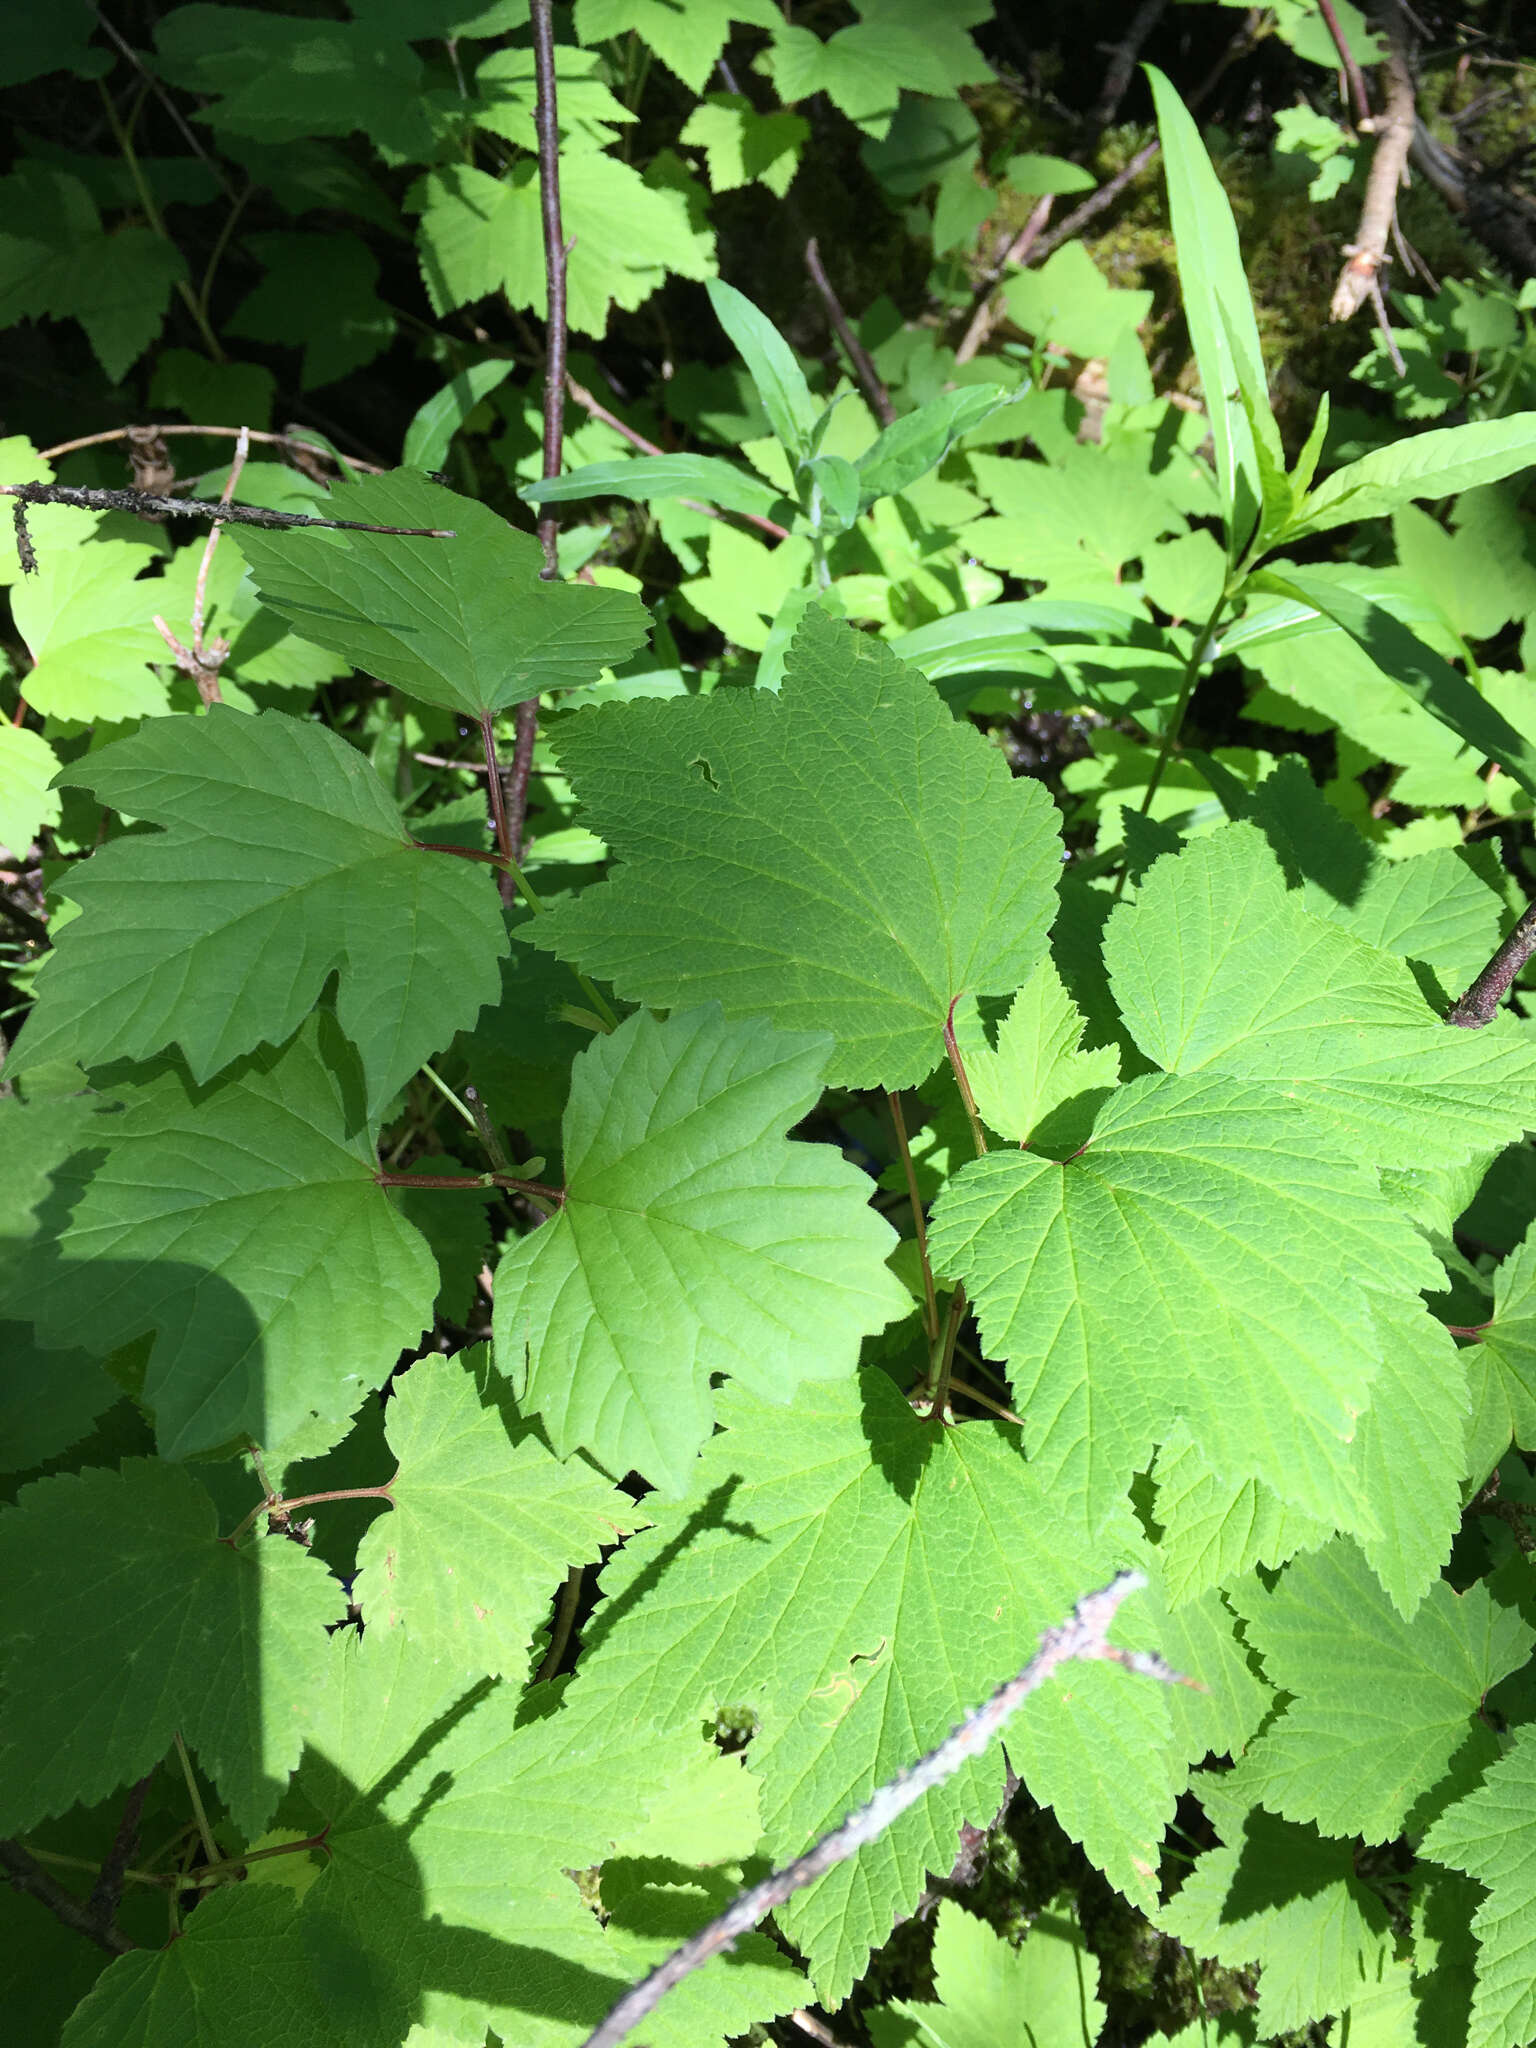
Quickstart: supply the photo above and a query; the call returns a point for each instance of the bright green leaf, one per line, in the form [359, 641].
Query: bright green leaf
[27, 801]
[1490, 1836]
[434, 424]
[1437, 464]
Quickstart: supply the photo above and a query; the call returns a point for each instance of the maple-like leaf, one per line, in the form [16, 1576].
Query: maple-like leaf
[27, 799]
[1036, 1085]
[123, 1573]
[773, 855]
[1492, 1837]
[284, 860]
[1281, 1896]
[87, 618]
[1205, 1258]
[857, 1579]
[483, 1524]
[465, 623]
[1504, 1361]
[687, 43]
[692, 1239]
[992, 1995]
[243, 1223]
[1380, 1709]
[1212, 1530]
[1219, 969]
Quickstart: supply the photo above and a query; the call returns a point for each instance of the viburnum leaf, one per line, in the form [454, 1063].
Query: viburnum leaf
[464, 623]
[992, 1995]
[1219, 969]
[321, 291]
[742, 145]
[899, 45]
[284, 860]
[1280, 1896]
[461, 623]
[856, 1580]
[51, 527]
[453, 1820]
[1381, 1709]
[1036, 1082]
[1492, 1837]
[483, 1523]
[771, 856]
[124, 1572]
[687, 42]
[87, 619]
[692, 1239]
[243, 1223]
[1504, 1361]
[1232, 1699]
[27, 802]
[1212, 1530]
[1199, 1260]
[481, 234]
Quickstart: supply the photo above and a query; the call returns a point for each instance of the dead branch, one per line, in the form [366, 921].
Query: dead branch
[863, 364]
[1394, 131]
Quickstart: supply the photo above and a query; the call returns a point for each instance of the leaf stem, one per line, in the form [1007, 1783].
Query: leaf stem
[276, 1504]
[152, 214]
[1192, 668]
[944, 1357]
[199, 1811]
[447, 1093]
[919, 1221]
[957, 1066]
[565, 1621]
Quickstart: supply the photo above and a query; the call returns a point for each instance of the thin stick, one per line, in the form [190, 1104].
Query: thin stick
[525, 726]
[1082, 1636]
[546, 120]
[1347, 64]
[27, 1875]
[863, 364]
[213, 433]
[1394, 138]
[1122, 64]
[1481, 1001]
[496, 787]
[919, 1221]
[203, 661]
[200, 508]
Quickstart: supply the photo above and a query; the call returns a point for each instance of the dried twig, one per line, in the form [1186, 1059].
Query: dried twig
[1394, 132]
[863, 364]
[190, 508]
[1083, 1635]
[1122, 64]
[1347, 63]
[108, 1889]
[1480, 1003]
[290, 441]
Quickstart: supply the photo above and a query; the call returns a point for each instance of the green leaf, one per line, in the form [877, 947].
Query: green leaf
[48, 1399]
[1218, 969]
[692, 1239]
[652, 477]
[283, 861]
[1437, 464]
[687, 41]
[1212, 1530]
[748, 874]
[920, 440]
[1489, 1836]
[506, 97]
[1036, 1071]
[1280, 1896]
[481, 234]
[465, 623]
[1038, 175]
[771, 364]
[27, 799]
[88, 621]
[1069, 301]
[244, 1225]
[1426, 676]
[483, 1523]
[994, 1996]
[834, 492]
[811, 1575]
[899, 46]
[1143, 1282]
[434, 424]
[1217, 306]
[321, 291]
[1380, 1709]
[1506, 1353]
[743, 146]
[124, 1572]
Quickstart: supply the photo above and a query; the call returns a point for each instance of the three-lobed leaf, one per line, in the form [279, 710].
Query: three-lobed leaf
[283, 861]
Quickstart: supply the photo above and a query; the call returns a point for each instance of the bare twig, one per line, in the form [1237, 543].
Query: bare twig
[599, 411]
[546, 118]
[27, 1875]
[1084, 1635]
[525, 720]
[1122, 63]
[863, 364]
[200, 508]
[1347, 64]
[1394, 133]
[213, 433]
[1480, 1003]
